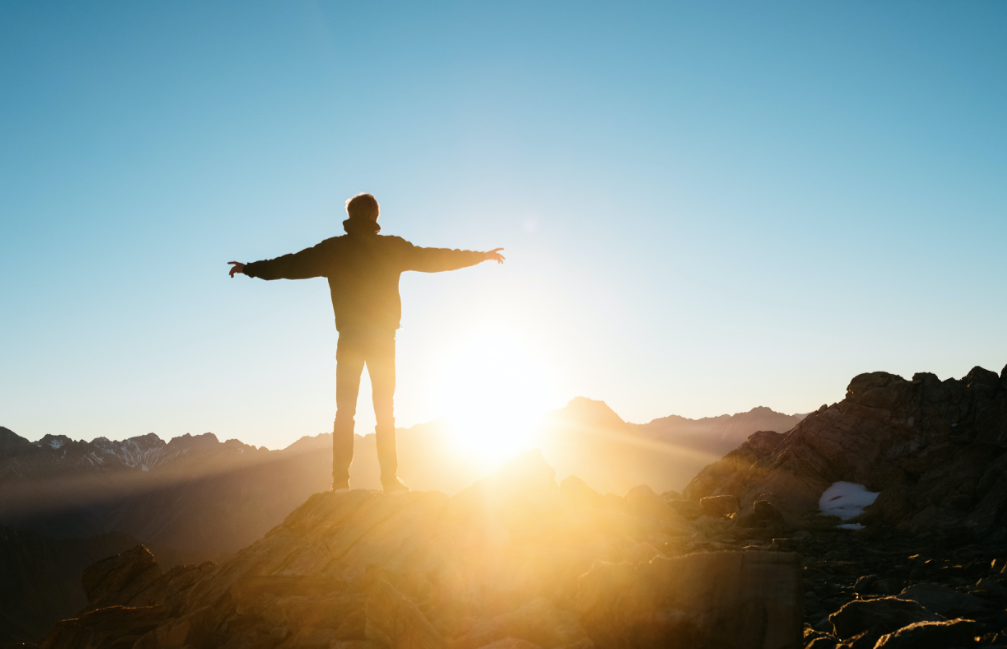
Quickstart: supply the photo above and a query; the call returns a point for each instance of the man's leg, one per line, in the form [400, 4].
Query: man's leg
[381, 368]
[349, 365]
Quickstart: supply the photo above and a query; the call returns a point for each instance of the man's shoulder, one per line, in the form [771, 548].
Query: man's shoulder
[331, 241]
[393, 240]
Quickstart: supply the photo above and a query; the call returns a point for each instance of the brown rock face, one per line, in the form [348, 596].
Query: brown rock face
[499, 564]
[935, 450]
[722, 599]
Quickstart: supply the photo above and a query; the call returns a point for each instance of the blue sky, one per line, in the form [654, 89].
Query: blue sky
[706, 207]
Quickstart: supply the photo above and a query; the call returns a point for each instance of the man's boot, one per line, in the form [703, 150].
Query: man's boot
[388, 459]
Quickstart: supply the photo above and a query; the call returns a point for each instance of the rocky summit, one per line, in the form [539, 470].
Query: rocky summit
[743, 558]
[935, 451]
[516, 560]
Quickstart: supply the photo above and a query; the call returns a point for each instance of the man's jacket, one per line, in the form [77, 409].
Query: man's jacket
[363, 270]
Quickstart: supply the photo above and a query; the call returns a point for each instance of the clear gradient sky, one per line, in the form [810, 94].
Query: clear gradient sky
[706, 206]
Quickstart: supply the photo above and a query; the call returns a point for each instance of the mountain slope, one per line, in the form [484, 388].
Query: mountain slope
[586, 438]
[41, 579]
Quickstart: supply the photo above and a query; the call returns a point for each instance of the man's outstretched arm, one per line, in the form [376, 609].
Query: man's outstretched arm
[305, 264]
[436, 260]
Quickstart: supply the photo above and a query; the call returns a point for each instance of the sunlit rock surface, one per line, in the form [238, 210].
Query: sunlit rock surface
[514, 561]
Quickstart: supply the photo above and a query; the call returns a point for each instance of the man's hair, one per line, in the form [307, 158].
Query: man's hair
[362, 206]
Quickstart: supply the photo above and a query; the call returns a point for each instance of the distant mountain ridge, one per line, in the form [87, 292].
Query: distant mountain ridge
[195, 497]
[723, 433]
[588, 439]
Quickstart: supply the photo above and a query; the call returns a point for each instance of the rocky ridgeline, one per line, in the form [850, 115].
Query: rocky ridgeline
[936, 451]
[743, 559]
[515, 561]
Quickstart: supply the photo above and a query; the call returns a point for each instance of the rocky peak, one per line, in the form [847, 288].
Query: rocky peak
[935, 450]
[12, 444]
[54, 442]
[589, 413]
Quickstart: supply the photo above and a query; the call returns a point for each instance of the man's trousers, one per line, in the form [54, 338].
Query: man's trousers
[377, 351]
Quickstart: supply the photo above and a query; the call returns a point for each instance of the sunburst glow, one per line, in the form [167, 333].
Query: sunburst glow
[493, 389]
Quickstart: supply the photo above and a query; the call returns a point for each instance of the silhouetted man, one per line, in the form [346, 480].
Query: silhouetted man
[363, 270]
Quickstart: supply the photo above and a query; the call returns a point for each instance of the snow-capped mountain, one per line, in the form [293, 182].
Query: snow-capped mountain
[193, 497]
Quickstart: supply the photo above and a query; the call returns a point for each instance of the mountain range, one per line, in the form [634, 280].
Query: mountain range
[196, 498]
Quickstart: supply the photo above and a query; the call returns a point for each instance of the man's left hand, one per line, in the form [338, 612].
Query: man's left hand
[494, 255]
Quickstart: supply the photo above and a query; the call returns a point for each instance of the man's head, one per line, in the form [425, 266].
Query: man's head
[363, 206]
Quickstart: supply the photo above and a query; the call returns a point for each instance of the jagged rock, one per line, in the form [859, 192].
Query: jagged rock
[943, 600]
[119, 579]
[936, 451]
[868, 620]
[725, 599]
[719, 505]
[928, 635]
[686, 509]
[763, 514]
[115, 626]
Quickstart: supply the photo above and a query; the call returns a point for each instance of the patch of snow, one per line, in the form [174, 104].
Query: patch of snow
[55, 443]
[144, 468]
[850, 526]
[846, 500]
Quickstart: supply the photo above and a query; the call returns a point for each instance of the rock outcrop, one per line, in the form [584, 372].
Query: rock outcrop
[934, 450]
[513, 561]
[40, 579]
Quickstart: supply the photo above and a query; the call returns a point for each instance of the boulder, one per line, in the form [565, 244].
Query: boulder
[868, 620]
[763, 514]
[118, 626]
[719, 505]
[708, 599]
[687, 509]
[943, 600]
[120, 579]
[929, 635]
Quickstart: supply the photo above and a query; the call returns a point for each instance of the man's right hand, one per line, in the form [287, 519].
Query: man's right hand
[236, 267]
[494, 255]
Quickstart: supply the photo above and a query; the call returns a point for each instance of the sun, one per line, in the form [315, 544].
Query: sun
[493, 389]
